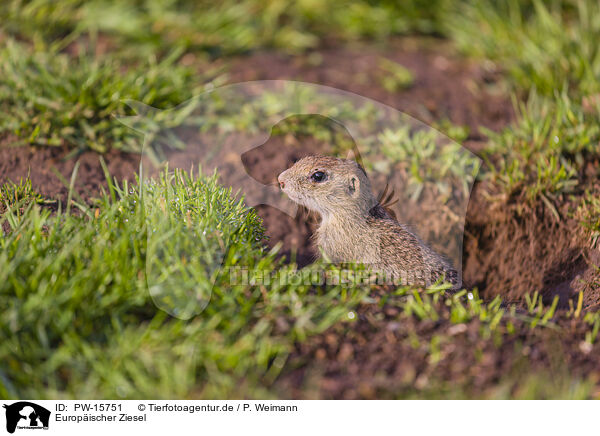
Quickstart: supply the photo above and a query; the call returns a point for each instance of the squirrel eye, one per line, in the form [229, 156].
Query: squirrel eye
[318, 176]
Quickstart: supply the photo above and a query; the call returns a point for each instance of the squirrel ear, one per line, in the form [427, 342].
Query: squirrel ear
[353, 185]
[354, 155]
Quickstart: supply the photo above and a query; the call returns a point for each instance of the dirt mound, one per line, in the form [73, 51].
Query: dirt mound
[513, 250]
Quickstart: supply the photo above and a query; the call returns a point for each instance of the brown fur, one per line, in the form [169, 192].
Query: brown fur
[356, 228]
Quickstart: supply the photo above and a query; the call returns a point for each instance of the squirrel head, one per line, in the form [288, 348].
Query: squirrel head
[328, 185]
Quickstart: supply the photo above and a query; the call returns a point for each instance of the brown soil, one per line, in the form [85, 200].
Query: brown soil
[445, 86]
[511, 250]
[40, 164]
[385, 355]
[507, 251]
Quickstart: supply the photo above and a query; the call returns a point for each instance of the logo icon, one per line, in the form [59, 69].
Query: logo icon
[26, 415]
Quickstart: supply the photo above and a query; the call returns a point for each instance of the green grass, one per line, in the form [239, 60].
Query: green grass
[19, 194]
[53, 99]
[214, 28]
[467, 306]
[542, 154]
[428, 161]
[442, 331]
[396, 77]
[78, 319]
[519, 385]
[546, 46]
[48, 97]
[550, 53]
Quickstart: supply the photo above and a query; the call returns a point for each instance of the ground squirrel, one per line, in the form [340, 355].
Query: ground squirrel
[354, 227]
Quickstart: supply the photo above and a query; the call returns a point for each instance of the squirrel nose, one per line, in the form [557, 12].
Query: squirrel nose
[281, 182]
